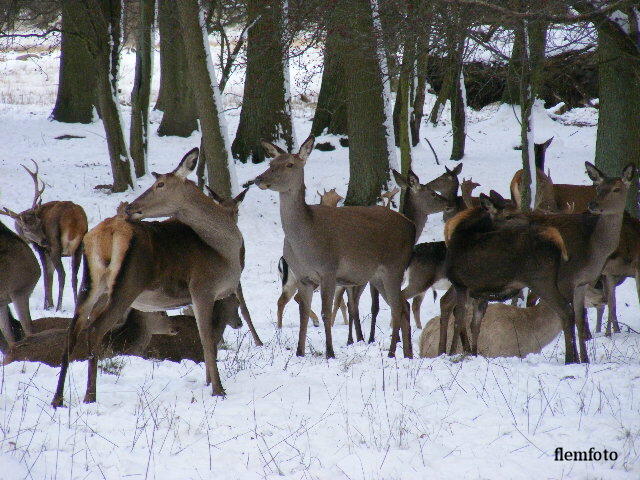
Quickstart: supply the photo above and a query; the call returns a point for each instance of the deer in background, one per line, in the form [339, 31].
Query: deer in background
[507, 331]
[193, 258]
[447, 184]
[19, 273]
[347, 246]
[466, 190]
[290, 282]
[55, 229]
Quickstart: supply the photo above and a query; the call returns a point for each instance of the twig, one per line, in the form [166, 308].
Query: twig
[433, 150]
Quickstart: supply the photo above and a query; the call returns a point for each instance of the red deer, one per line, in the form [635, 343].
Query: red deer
[55, 229]
[19, 273]
[194, 258]
[347, 246]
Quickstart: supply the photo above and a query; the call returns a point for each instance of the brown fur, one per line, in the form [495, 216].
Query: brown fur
[507, 331]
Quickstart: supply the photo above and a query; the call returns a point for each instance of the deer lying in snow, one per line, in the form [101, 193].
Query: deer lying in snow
[195, 258]
[152, 335]
[507, 331]
[19, 273]
[347, 246]
[55, 229]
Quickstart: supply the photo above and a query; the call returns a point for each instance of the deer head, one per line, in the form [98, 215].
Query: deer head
[168, 192]
[286, 170]
[29, 225]
[330, 198]
[233, 204]
[468, 185]
[448, 182]
[611, 193]
[426, 199]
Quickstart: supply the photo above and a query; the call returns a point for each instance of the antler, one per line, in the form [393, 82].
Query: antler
[37, 191]
[8, 213]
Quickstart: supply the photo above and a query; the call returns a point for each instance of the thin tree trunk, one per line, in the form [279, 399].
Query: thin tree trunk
[139, 135]
[266, 108]
[361, 57]
[331, 110]
[180, 117]
[76, 78]
[526, 123]
[458, 93]
[421, 89]
[207, 98]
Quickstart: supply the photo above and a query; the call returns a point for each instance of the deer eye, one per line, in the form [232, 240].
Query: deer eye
[160, 185]
[289, 165]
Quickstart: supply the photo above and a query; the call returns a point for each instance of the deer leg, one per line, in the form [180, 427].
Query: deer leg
[47, 270]
[338, 305]
[327, 291]
[57, 262]
[305, 294]
[343, 311]
[610, 291]
[399, 313]
[5, 325]
[353, 296]
[415, 309]
[447, 304]
[479, 309]
[600, 314]
[247, 317]
[579, 314]
[203, 310]
[21, 304]
[288, 290]
[460, 314]
[75, 266]
[375, 309]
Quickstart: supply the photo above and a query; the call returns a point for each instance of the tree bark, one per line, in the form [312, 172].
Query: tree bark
[76, 77]
[331, 110]
[266, 108]
[421, 88]
[369, 150]
[618, 138]
[207, 98]
[456, 41]
[139, 135]
[175, 98]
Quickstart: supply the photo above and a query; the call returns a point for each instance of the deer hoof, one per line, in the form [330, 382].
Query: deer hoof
[218, 392]
[57, 402]
[90, 397]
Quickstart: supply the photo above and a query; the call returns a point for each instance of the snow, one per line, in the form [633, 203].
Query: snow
[360, 416]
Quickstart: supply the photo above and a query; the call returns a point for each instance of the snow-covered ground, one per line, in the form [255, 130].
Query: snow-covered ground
[360, 416]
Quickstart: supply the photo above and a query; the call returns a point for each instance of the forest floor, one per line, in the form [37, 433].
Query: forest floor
[360, 416]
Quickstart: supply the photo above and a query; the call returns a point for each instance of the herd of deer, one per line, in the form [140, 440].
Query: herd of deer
[571, 252]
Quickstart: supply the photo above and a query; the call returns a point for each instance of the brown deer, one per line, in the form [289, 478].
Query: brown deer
[290, 283]
[466, 190]
[447, 184]
[19, 273]
[346, 246]
[194, 258]
[507, 331]
[153, 335]
[55, 229]
[552, 197]
[590, 239]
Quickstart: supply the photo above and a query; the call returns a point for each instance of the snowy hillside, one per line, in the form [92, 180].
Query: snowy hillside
[360, 416]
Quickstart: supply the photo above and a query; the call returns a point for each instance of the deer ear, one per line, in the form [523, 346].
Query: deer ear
[546, 144]
[487, 204]
[155, 174]
[240, 197]
[400, 180]
[456, 171]
[306, 147]
[188, 163]
[628, 173]
[272, 150]
[217, 198]
[594, 174]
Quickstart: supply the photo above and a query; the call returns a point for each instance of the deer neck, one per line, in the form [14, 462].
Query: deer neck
[212, 223]
[606, 236]
[414, 213]
[295, 214]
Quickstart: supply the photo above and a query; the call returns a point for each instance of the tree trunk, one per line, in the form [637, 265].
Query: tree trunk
[175, 98]
[331, 111]
[618, 139]
[266, 106]
[106, 20]
[421, 89]
[526, 123]
[76, 77]
[511, 94]
[220, 171]
[458, 99]
[139, 136]
[369, 127]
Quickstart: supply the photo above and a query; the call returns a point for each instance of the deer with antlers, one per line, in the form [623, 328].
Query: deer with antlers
[55, 229]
